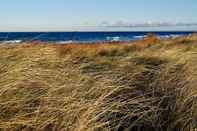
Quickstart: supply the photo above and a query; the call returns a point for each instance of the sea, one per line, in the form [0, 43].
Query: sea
[83, 37]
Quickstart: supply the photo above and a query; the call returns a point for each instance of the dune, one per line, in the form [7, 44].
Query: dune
[146, 85]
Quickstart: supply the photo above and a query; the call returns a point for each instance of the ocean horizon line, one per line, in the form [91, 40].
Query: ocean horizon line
[61, 31]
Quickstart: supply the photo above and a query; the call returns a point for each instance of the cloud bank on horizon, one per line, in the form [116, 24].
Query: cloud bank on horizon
[144, 24]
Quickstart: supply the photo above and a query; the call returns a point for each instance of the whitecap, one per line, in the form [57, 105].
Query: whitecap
[65, 42]
[114, 38]
[12, 41]
[169, 36]
[139, 36]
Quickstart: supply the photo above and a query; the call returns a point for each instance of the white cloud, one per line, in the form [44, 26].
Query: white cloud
[144, 24]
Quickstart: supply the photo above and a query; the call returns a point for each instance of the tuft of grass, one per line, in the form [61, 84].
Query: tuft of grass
[146, 85]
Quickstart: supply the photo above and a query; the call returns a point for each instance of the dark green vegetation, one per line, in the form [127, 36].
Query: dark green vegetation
[149, 85]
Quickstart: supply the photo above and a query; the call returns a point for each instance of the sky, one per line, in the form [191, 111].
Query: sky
[60, 15]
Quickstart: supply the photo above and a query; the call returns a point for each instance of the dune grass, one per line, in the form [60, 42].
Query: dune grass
[147, 85]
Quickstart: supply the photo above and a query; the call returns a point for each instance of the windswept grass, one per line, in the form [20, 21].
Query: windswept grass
[147, 85]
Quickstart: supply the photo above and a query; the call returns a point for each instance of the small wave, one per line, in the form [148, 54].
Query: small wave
[175, 36]
[169, 36]
[65, 42]
[12, 41]
[139, 36]
[115, 38]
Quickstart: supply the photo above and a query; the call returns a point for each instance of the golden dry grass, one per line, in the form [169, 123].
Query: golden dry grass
[148, 85]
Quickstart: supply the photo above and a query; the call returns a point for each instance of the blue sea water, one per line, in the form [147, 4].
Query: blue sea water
[66, 37]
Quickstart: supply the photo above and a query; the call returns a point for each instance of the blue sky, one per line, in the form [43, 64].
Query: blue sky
[31, 15]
